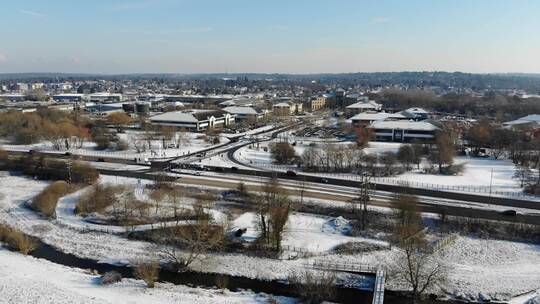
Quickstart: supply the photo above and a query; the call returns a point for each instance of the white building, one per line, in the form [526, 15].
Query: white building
[194, 120]
[246, 113]
[69, 97]
[365, 118]
[403, 130]
[105, 97]
[362, 106]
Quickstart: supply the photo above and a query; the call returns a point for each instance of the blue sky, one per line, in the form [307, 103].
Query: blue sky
[278, 36]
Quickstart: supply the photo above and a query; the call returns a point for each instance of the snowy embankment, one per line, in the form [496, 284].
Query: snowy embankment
[25, 279]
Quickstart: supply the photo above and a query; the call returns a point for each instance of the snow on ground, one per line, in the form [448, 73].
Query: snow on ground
[476, 173]
[528, 298]
[191, 143]
[495, 268]
[499, 269]
[376, 147]
[479, 174]
[310, 232]
[26, 279]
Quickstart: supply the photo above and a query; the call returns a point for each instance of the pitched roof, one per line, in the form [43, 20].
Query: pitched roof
[376, 116]
[241, 110]
[364, 105]
[404, 125]
[523, 120]
[175, 116]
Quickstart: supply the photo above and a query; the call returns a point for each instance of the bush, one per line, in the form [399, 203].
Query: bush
[314, 288]
[110, 277]
[148, 272]
[17, 240]
[83, 173]
[121, 145]
[103, 142]
[97, 199]
[46, 201]
[533, 189]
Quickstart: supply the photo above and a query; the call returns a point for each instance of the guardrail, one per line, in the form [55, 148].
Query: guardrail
[378, 289]
[345, 267]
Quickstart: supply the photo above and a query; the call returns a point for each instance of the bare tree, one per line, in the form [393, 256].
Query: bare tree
[194, 239]
[415, 264]
[273, 208]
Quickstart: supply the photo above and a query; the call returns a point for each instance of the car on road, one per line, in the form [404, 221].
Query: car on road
[508, 213]
[291, 173]
[324, 180]
[234, 168]
[197, 173]
[68, 154]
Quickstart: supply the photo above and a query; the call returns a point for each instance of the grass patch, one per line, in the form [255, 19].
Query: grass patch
[17, 240]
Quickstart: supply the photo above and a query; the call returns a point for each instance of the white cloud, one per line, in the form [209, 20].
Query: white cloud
[31, 13]
[3, 57]
[379, 20]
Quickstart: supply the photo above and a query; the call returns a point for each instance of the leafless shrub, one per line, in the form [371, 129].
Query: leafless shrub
[148, 272]
[314, 288]
[98, 198]
[46, 201]
[110, 277]
[222, 282]
[17, 240]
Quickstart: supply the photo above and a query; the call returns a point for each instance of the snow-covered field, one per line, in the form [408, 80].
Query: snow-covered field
[480, 175]
[499, 269]
[26, 279]
[306, 231]
[191, 142]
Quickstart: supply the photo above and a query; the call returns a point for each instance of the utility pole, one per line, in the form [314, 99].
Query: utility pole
[69, 170]
[490, 182]
[363, 198]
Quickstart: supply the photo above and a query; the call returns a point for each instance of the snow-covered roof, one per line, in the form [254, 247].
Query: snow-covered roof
[227, 103]
[364, 105]
[416, 111]
[188, 116]
[105, 94]
[241, 110]
[376, 116]
[175, 116]
[69, 95]
[282, 105]
[404, 125]
[524, 120]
